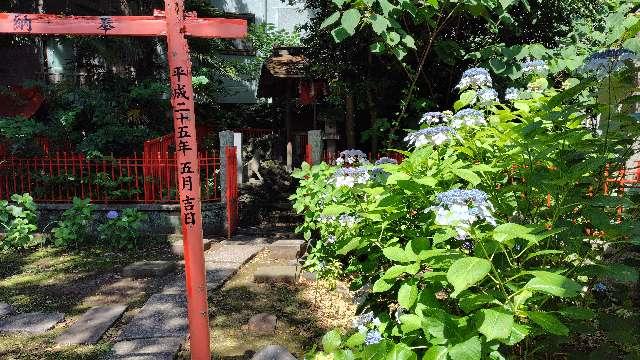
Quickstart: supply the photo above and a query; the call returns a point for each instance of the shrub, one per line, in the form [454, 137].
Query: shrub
[18, 219]
[491, 233]
[74, 229]
[122, 230]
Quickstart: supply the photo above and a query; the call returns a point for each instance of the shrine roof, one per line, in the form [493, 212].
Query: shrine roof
[282, 71]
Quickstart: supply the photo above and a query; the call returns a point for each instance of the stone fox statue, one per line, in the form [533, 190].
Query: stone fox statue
[253, 165]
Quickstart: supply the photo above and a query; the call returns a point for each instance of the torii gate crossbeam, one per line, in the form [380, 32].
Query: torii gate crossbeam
[175, 24]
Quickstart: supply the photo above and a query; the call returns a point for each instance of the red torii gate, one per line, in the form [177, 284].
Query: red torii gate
[175, 24]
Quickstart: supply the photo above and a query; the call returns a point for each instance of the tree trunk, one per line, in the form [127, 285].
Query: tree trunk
[349, 122]
[373, 112]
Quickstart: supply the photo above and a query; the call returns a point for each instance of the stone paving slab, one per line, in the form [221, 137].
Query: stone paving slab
[163, 315]
[177, 247]
[277, 274]
[33, 323]
[144, 269]
[273, 352]
[217, 274]
[5, 310]
[91, 325]
[233, 253]
[146, 349]
[287, 249]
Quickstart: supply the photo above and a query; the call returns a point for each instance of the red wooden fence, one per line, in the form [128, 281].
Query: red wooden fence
[61, 176]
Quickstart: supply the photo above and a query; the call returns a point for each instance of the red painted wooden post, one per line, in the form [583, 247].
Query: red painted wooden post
[308, 154]
[232, 190]
[188, 179]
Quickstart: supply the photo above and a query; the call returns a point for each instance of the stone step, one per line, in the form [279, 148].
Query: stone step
[33, 323]
[92, 325]
[287, 249]
[177, 247]
[146, 349]
[217, 274]
[146, 269]
[163, 315]
[240, 254]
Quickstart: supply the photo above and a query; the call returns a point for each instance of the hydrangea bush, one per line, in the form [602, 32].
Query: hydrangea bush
[496, 236]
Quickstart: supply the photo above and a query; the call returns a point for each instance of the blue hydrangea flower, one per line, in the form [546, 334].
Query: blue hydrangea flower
[487, 96]
[386, 160]
[436, 117]
[351, 176]
[363, 319]
[373, 337]
[436, 135]
[535, 67]
[352, 157]
[468, 117]
[331, 239]
[512, 94]
[461, 209]
[111, 215]
[474, 78]
[600, 288]
[347, 220]
[607, 62]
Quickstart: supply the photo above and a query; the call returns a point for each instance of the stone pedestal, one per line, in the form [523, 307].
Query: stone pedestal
[289, 156]
[226, 139]
[317, 146]
[237, 142]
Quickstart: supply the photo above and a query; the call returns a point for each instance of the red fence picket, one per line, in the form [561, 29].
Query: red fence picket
[232, 190]
[134, 179]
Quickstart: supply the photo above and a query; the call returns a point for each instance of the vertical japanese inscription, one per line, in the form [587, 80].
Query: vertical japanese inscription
[184, 144]
[22, 23]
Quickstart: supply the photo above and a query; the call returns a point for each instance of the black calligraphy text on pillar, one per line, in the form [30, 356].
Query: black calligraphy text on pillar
[184, 145]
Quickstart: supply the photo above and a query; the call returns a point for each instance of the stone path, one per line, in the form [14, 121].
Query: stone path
[92, 325]
[161, 326]
[33, 323]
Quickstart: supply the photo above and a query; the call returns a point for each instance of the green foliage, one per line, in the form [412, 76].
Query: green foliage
[123, 230]
[74, 227]
[460, 290]
[18, 220]
[20, 134]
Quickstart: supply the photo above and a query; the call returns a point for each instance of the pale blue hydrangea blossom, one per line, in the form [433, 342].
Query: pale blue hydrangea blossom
[347, 220]
[462, 208]
[487, 96]
[331, 239]
[468, 117]
[327, 218]
[349, 177]
[474, 78]
[535, 67]
[607, 62]
[373, 337]
[352, 157]
[363, 319]
[512, 94]
[386, 160]
[436, 117]
[436, 135]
